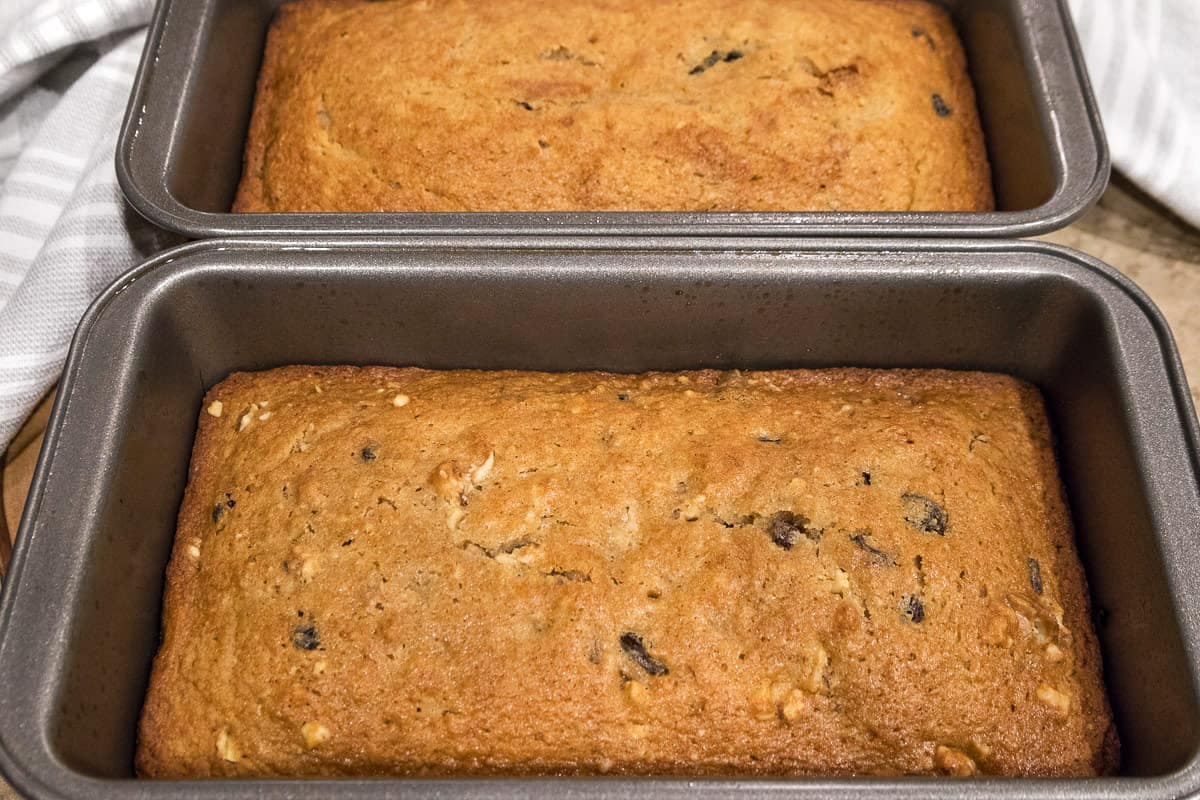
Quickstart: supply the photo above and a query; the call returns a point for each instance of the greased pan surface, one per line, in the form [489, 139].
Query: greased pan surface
[80, 611]
[180, 153]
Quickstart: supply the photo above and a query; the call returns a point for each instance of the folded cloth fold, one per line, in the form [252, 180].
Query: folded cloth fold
[40, 33]
[65, 230]
[1141, 55]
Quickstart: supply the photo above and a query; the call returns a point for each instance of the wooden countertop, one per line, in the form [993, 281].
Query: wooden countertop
[1125, 229]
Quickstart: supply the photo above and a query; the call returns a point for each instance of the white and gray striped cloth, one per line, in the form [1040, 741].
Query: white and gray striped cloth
[65, 71]
[66, 67]
[1143, 57]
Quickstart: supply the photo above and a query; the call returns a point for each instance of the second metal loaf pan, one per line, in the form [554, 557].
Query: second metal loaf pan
[179, 158]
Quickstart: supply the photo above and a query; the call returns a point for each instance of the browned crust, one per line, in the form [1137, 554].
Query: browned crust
[167, 744]
[947, 162]
[979, 171]
[288, 21]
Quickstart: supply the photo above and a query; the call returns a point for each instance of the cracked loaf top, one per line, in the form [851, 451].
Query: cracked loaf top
[695, 105]
[403, 571]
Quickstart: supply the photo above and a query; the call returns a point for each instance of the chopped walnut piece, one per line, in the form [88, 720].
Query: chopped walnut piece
[816, 661]
[308, 568]
[780, 697]
[522, 556]
[840, 582]
[693, 508]
[762, 704]
[246, 417]
[314, 734]
[794, 705]
[454, 485]
[1056, 700]
[448, 483]
[479, 474]
[227, 747]
[950, 761]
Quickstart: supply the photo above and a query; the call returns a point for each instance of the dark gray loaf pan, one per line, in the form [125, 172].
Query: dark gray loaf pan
[80, 611]
[179, 158]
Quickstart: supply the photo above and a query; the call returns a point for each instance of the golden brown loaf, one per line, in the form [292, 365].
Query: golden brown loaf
[401, 571]
[504, 105]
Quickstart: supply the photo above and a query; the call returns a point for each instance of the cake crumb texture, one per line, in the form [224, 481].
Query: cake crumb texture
[412, 572]
[693, 105]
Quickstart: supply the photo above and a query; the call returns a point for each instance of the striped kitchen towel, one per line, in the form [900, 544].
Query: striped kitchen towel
[66, 67]
[1142, 58]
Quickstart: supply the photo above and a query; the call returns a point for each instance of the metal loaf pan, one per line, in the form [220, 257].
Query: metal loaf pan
[80, 611]
[179, 158]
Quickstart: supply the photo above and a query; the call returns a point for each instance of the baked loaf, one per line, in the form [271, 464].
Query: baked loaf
[402, 571]
[504, 105]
